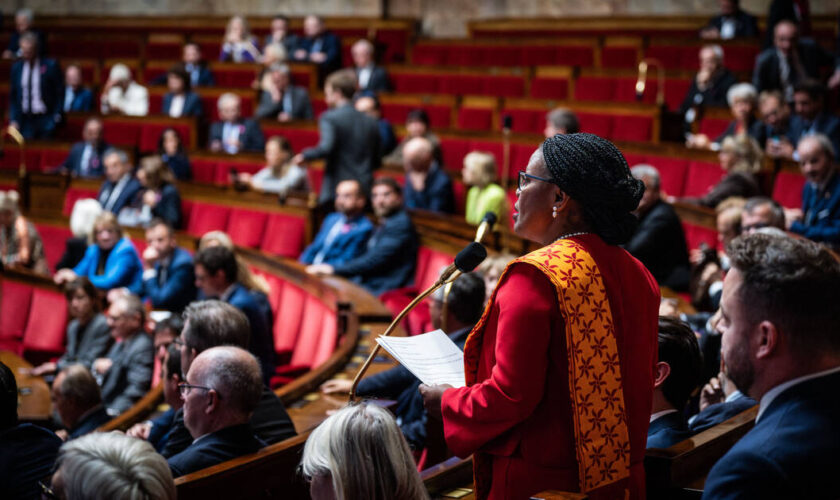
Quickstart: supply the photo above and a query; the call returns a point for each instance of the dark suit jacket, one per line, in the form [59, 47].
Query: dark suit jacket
[713, 97]
[74, 252]
[28, 454]
[659, 242]
[52, 88]
[85, 345]
[161, 428]
[301, 107]
[437, 195]
[824, 123]
[740, 184]
[746, 25]
[717, 413]
[262, 340]
[387, 139]
[378, 81]
[349, 243]
[766, 74]
[73, 163]
[192, 104]
[168, 207]
[350, 145]
[250, 136]
[179, 288]
[82, 100]
[130, 375]
[667, 431]
[215, 448]
[127, 195]
[14, 42]
[89, 423]
[792, 452]
[179, 164]
[821, 209]
[330, 45]
[388, 263]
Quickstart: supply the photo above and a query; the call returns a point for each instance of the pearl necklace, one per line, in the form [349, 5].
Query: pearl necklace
[570, 235]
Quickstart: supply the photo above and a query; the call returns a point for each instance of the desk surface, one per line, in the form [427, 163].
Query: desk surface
[33, 392]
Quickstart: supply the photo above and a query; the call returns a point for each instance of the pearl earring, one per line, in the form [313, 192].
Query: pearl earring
[554, 212]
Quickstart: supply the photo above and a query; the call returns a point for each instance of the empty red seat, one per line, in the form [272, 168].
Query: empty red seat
[595, 88]
[45, 328]
[695, 235]
[15, 301]
[672, 173]
[595, 123]
[313, 325]
[246, 227]
[619, 57]
[701, 177]
[205, 217]
[549, 88]
[298, 138]
[287, 320]
[54, 239]
[475, 119]
[713, 127]
[787, 189]
[204, 169]
[284, 235]
[328, 340]
[122, 133]
[632, 128]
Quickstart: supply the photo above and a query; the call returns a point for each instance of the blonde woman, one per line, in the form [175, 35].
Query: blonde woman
[239, 45]
[243, 272]
[741, 158]
[485, 195]
[279, 175]
[20, 243]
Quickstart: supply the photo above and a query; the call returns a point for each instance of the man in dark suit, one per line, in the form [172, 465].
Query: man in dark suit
[36, 92]
[23, 24]
[345, 232]
[677, 375]
[659, 240]
[779, 340]
[427, 186]
[212, 323]
[120, 186]
[732, 22]
[216, 277]
[719, 400]
[86, 157]
[222, 390]
[281, 35]
[349, 139]
[369, 104]
[78, 402]
[391, 254]
[77, 97]
[232, 133]
[283, 101]
[819, 218]
[168, 279]
[126, 371]
[772, 129]
[318, 46]
[810, 116]
[709, 86]
[371, 78]
[196, 67]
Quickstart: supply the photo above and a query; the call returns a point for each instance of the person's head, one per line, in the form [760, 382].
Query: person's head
[586, 182]
[280, 76]
[362, 52]
[728, 7]
[808, 98]
[215, 270]
[278, 152]
[212, 323]
[23, 20]
[73, 76]
[742, 98]
[8, 398]
[760, 212]
[192, 53]
[153, 173]
[340, 87]
[279, 26]
[170, 375]
[28, 46]
[313, 26]
[728, 219]
[359, 452]
[369, 105]
[161, 237]
[116, 164]
[416, 123]
[74, 393]
[386, 196]
[680, 365]
[479, 169]
[169, 142]
[560, 121]
[418, 155]
[711, 58]
[223, 387]
[166, 331]
[229, 107]
[82, 218]
[92, 131]
[816, 158]
[779, 317]
[82, 299]
[178, 80]
[740, 153]
[120, 74]
[785, 36]
[491, 270]
[273, 53]
[9, 208]
[650, 177]
[773, 109]
[215, 238]
[459, 304]
[126, 316]
[237, 29]
[349, 198]
[111, 466]
[106, 231]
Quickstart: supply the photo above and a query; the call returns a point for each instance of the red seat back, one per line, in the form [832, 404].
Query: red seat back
[288, 318]
[284, 235]
[787, 189]
[15, 301]
[72, 195]
[246, 227]
[328, 339]
[311, 329]
[701, 177]
[54, 239]
[47, 322]
[205, 217]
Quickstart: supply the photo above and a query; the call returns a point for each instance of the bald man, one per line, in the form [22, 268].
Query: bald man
[427, 186]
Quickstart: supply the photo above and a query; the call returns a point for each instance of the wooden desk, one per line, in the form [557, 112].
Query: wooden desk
[33, 393]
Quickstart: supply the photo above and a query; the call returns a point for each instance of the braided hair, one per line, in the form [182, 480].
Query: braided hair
[594, 173]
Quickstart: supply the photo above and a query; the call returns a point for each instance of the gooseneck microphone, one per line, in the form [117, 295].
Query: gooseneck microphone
[486, 224]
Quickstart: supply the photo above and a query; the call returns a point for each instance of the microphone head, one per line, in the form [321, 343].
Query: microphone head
[490, 219]
[470, 257]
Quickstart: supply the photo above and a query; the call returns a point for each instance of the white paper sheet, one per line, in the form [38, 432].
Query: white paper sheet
[432, 357]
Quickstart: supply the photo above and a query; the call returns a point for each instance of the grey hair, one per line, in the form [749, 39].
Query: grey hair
[776, 210]
[9, 201]
[741, 91]
[364, 42]
[228, 97]
[84, 214]
[113, 466]
[212, 323]
[235, 374]
[80, 387]
[716, 49]
[25, 12]
[563, 118]
[29, 37]
[645, 171]
[279, 67]
[122, 155]
[825, 144]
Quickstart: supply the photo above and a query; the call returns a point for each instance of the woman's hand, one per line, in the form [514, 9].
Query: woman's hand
[432, 395]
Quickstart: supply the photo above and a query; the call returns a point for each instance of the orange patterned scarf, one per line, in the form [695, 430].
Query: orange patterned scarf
[602, 442]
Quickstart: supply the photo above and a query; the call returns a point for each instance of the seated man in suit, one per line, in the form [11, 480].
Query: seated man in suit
[345, 232]
[23, 24]
[772, 129]
[281, 35]
[85, 158]
[709, 86]
[222, 390]
[318, 46]
[810, 117]
[391, 254]
[77, 97]
[369, 105]
[121, 95]
[78, 402]
[196, 67]
[779, 327]
[157, 430]
[180, 100]
[719, 400]
[819, 218]
[372, 78]
[761, 212]
[211, 323]
[659, 240]
[120, 186]
[677, 375]
[427, 186]
[732, 22]
[454, 310]
[283, 101]
[125, 373]
[232, 133]
[168, 279]
[216, 276]
[36, 92]
[561, 121]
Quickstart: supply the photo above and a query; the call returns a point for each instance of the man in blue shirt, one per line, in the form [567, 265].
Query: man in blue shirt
[168, 279]
[344, 232]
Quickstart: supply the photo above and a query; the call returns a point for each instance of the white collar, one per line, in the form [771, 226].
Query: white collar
[661, 414]
[773, 393]
[734, 396]
[228, 292]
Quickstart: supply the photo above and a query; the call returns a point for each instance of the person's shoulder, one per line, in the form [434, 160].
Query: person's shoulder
[181, 257]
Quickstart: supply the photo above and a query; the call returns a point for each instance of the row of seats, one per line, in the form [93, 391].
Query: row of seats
[32, 320]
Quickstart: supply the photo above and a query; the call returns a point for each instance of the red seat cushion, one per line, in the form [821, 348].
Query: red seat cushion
[15, 301]
[311, 327]
[224, 169]
[701, 177]
[288, 318]
[787, 189]
[694, 235]
[205, 217]
[204, 169]
[54, 239]
[328, 339]
[672, 173]
[47, 321]
[619, 57]
[632, 128]
[122, 133]
[597, 124]
[595, 88]
[475, 119]
[284, 235]
[549, 88]
[246, 227]
[713, 127]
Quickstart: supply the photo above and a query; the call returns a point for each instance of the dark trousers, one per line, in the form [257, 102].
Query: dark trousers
[36, 126]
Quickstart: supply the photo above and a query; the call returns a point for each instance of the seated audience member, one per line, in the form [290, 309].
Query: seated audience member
[283, 101]
[491, 270]
[741, 158]
[416, 125]
[86, 157]
[28, 452]
[253, 282]
[166, 331]
[780, 346]
[359, 452]
[159, 197]
[771, 132]
[371, 78]
[742, 99]
[561, 121]
[708, 264]
[677, 376]
[232, 133]
[78, 402]
[121, 95]
[427, 186]
[810, 115]
[389, 259]
[126, 371]
[110, 261]
[281, 36]
[732, 22]
[719, 400]
[88, 335]
[455, 310]
[216, 277]
[484, 195]
[171, 150]
[82, 218]
[196, 67]
[659, 240]
[20, 243]
[120, 186]
[157, 431]
[272, 55]
[318, 46]
[223, 388]
[239, 45]
[761, 212]
[369, 105]
[710, 85]
[36, 92]
[23, 25]
[77, 97]
[212, 323]
[180, 100]
[111, 466]
[819, 218]
[280, 175]
[345, 232]
[168, 278]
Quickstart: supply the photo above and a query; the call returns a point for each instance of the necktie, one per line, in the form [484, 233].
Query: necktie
[31, 90]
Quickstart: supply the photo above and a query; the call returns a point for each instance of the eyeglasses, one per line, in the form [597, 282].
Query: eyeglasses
[186, 388]
[178, 342]
[525, 179]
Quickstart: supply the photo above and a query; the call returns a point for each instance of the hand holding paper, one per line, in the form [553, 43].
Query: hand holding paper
[432, 357]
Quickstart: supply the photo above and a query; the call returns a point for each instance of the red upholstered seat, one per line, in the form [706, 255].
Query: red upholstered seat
[52, 158]
[122, 133]
[787, 189]
[694, 235]
[597, 124]
[15, 301]
[204, 169]
[298, 138]
[72, 195]
[439, 116]
[150, 134]
[287, 320]
[328, 338]
[549, 88]
[234, 76]
[595, 88]
[713, 127]
[54, 239]
[44, 334]
[632, 128]
[284, 235]
[524, 120]
[139, 245]
[433, 55]
[619, 57]
[454, 150]
[205, 217]
[223, 170]
[701, 177]
[672, 173]
[246, 227]
[460, 191]
[311, 328]
[475, 119]
[675, 91]
[675, 56]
